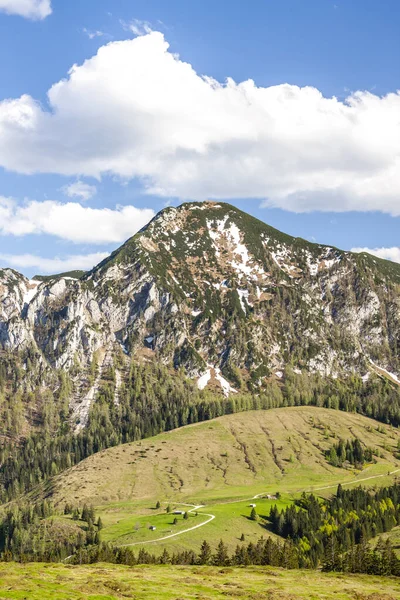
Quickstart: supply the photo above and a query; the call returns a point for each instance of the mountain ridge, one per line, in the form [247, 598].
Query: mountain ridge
[210, 289]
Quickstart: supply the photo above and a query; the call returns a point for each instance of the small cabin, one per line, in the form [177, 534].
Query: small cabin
[253, 505]
[178, 512]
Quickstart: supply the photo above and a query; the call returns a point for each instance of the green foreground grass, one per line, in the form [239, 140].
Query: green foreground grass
[114, 582]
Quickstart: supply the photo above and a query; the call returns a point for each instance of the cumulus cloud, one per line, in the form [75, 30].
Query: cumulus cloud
[76, 262]
[79, 189]
[30, 9]
[72, 221]
[135, 110]
[386, 253]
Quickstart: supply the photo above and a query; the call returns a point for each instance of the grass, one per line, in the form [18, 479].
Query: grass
[114, 582]
[135, 529]
[220, 464]
[231, 520]
[261, 451]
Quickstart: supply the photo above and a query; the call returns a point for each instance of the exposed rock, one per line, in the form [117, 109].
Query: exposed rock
[209, 285]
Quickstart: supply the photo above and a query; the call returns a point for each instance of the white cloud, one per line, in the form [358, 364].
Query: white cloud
[79, 189]
[386, 253]
[30, 9]
[92, 34]
[72, 221]
[135, 110]
[137, 26]
[80, 262]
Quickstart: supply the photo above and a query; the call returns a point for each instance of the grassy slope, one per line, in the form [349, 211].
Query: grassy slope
[109, 582]
[221, 464]
[229, 457]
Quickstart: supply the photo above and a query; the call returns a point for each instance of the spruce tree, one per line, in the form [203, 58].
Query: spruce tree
[253, 514]
[205, 553]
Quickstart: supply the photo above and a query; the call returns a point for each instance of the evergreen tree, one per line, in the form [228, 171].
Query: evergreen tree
[221, 557]
[205, 553]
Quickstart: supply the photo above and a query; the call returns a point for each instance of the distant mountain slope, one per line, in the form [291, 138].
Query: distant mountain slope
[245, 453]
[209, 288]
[68, 274]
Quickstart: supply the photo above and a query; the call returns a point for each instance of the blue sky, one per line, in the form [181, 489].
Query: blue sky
[163, 113]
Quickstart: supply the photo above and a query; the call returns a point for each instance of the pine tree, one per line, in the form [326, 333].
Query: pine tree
[76, 515]
[253, 514]
[205, 553]
[85, 513]
[221, 557]
[165, 557]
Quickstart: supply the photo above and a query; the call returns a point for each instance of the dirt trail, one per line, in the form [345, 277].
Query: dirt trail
[257, 496]
[172, 535]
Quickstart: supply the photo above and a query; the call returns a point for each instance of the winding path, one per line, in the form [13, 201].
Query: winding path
[172, 535]
[328, 487]
[257, 496]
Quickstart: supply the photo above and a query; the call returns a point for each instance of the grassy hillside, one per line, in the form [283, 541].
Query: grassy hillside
[111, 582]
[232, 456]
[215, 471]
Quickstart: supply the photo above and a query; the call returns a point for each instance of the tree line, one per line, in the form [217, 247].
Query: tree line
[315, 533]
[334, 532]
[39, 533]
[152, 400]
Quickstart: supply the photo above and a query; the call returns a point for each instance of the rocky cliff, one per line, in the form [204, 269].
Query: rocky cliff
[213, 290]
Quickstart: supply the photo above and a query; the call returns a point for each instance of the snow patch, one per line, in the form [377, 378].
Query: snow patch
[244, 297]
[205, 207]
[204, 379]
[312, 266]
[31, 291]
[226, 386]
[392, 375]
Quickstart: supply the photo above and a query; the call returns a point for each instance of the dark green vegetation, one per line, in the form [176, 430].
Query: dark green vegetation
[37, 533]
[70, 274]
[352, 452]
[153, 400]
[337, 530]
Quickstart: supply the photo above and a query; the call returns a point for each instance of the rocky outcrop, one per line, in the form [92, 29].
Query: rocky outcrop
[207, 287]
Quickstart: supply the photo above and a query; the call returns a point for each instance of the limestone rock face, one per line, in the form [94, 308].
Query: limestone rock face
[209, 288]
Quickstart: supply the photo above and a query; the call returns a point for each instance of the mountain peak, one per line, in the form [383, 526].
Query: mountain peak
[211, 289]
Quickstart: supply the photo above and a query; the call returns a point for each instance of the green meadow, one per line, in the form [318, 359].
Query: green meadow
[165, 582]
